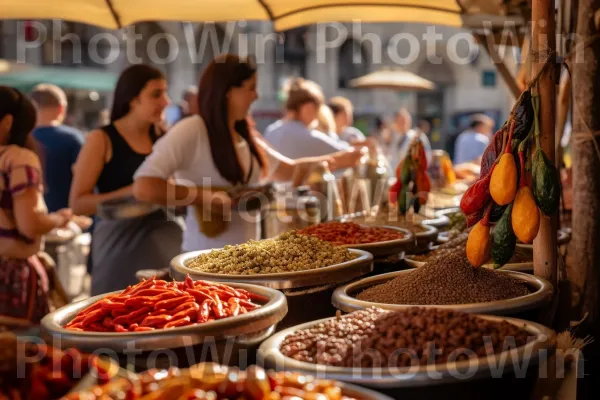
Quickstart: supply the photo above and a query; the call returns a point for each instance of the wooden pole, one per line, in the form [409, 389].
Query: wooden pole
[543, 43]
[508, 77]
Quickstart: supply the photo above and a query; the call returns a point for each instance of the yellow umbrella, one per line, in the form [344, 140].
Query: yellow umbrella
[397, 79]
[285, 14]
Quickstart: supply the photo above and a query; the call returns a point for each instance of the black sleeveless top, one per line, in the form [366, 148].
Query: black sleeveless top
[119, 171]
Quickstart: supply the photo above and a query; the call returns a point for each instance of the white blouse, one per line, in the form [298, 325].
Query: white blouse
[183, 153]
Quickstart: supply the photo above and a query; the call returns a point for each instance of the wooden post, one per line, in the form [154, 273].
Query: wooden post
[543, 42]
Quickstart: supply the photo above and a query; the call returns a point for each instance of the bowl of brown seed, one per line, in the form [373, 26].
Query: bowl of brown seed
[449, 282]
[414, 351]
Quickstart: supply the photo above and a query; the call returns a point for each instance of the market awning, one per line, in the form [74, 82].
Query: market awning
[285, 14]
[396, 79]
[66, 78]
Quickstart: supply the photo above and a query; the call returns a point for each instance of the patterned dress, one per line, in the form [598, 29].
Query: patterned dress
[23, 280]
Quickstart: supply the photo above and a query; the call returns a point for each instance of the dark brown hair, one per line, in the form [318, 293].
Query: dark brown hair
[130, 84]
[13, 102]
[223, 73]
[302, 91]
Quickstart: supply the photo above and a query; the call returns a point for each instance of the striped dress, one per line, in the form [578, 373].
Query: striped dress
[23, 280]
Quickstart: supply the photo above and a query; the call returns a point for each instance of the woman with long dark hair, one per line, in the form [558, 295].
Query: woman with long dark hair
[211, 152]
[23, 216]
[104, 173]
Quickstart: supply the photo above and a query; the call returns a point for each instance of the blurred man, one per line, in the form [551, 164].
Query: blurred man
[189, 104]
[343, 113]
[402, 136]
[59, 144]
[471, 143]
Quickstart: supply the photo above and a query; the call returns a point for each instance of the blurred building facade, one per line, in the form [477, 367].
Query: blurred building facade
[466, 80]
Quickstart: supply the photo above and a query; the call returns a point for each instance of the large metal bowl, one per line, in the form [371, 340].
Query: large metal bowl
[343, 272]
[343, 297]
[270, 356]
[389, 247]
[526, 267]
[254, 325]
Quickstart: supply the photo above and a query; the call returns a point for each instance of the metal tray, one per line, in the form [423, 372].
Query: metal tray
[519, 267]
[383, 249]
[321, 276]
[343, 297]
[563, 237]
[439, 222]
[254, 325]
[387, 378]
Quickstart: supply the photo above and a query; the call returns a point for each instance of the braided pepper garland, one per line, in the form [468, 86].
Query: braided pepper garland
[413, 184]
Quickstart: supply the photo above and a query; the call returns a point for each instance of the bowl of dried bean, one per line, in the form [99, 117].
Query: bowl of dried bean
[380, 241]
[155, 314]
[450, 283]
[288, 261]
[414, 347]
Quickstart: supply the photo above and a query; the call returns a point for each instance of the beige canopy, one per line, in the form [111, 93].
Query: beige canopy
[285, 14]
[397, 79]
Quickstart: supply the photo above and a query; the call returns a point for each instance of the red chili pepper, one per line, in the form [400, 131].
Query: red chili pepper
[189, 282]
[248, 304]
[199, 295]
[108, 322]
[135, 302]
[133, 326]
[120, 328]
[477, 195]
[143, 329]
[190, 312]
[234, 306]
[112, 305]
[258, 297]
[157, 320]
[204, 312]
[96, 327]
[190, 303]
[218, 308]
[171, 303]
[132, 317]
[152, 292]
[179, 322]
[94, 316]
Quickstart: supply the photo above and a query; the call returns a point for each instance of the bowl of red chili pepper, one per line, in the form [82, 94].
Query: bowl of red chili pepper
[155, 314]
[381, 241]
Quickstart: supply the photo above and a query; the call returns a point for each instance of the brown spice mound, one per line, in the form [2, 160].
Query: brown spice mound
[419, 336]
[447, 280]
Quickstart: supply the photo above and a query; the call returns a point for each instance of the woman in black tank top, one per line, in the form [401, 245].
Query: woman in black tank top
[104, 173]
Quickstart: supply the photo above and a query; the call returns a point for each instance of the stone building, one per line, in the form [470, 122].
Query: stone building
[466, 80]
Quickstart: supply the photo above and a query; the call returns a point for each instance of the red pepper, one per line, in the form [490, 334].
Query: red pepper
[234, 306]
[94, 316]
[143, 329]
[179, 322]
[218, 308]
[190, 312]
[152, 292]
[96, 327]
[248, 304]
[189, 283]
[199, 295]
[112, 305]
[171, 303]
[477, 195]
[191, 303]
[132, 317]
[258, 297]
[156, 321]
[204, 312]
[136, 302]
[120, 328]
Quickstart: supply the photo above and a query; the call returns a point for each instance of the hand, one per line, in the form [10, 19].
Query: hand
[62, 217]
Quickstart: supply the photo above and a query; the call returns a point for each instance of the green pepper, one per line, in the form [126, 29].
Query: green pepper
[403, 200]
[545, 183]
[503, 239]
[406, 173]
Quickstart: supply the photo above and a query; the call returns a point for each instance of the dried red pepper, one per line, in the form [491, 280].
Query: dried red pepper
[341, 233]
[477, 195]
[157, 304]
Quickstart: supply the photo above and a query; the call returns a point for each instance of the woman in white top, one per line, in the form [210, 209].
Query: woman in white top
[211, 151]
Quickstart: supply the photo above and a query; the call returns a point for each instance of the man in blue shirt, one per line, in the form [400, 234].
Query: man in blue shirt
[471, 144]
[59, 144]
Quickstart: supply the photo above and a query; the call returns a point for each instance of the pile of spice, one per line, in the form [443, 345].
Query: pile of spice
[431, 336]
[327, 343]
[446, 280]
[344, 233]
[387, 218]
[289, 252]
[158, 304]
[451, 246]
[372, 338]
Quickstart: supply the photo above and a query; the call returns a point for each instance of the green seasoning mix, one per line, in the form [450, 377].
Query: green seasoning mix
[289, 252]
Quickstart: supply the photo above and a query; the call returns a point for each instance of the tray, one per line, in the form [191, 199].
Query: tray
[321, 276]
[254, 325]
[415, 376]
[343, 298]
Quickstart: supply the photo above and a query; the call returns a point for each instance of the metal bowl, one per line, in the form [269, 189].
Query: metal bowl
[252, 326]
[343, 297]
[563, 237]
[343, 272]
[389, 247]
[270, 356]
[526, 267]
[438, 221]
